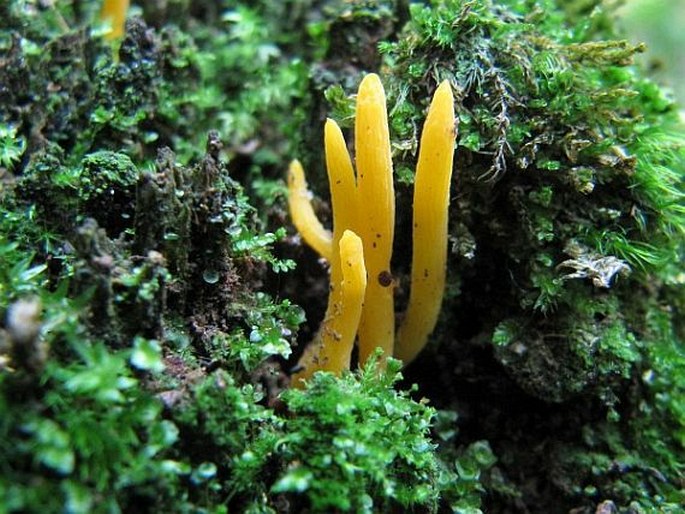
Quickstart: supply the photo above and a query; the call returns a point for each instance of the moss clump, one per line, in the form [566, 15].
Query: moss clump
[348, 445]
[163, 87]
[358, 446]
[79, 432]
[101, 186]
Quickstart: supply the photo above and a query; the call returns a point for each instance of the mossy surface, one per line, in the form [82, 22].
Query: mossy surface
[154, 297]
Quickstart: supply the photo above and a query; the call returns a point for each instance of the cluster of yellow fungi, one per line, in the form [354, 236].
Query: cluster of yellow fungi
[359, 249]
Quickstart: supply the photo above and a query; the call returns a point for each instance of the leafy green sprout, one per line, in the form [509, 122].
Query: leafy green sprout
[12, 146]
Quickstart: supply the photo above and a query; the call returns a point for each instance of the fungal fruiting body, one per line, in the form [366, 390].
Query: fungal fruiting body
[377, 216]
[360, 246]
[332, 346]
[429, 238]
[343, 191]
[114, 12]
[303, 215]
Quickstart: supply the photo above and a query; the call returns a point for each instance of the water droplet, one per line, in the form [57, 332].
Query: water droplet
[210, 276]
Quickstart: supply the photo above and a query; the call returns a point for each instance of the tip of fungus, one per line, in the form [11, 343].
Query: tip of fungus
[443, 98]
[371, 89]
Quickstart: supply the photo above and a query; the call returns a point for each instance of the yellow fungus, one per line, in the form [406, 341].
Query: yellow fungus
[429, 247]
[343, 190]
[376, 224]
[332, 346]
[302, 213]
[114, 12]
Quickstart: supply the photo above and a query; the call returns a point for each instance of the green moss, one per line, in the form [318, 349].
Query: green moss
[569, 184]
[78, 430]
[356, 445]
[269, 325]
[557, 158]
[225, 424]
[100, 186]
[352, 445]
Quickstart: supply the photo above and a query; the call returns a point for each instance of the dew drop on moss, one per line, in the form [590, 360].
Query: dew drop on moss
[210, 276]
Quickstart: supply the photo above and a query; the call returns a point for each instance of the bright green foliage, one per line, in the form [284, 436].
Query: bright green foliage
[228, 426]
[270, 325]
[250, 77]
[352, 444]
[356, 445]
[17, 275]
[462, 487]
[21, 274]
[78, 433]
[246, 242]
[11, 146]
[248, 86]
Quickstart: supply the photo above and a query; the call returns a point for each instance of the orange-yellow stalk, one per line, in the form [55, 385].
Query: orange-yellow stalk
[376, 196]
[343, 190]
[114, 12]
[332, 346]
[303, 215]
[431, 203]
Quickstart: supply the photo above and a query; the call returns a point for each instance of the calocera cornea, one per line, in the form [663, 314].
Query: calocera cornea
[114, 12]
[430, 216]
[303, 215]
[363, 231]
[331, 349]
[376, 194]
[343, 190]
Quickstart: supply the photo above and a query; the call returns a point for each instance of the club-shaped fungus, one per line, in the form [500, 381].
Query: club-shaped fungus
[429, 237]
[376, 196]
[332, 346]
